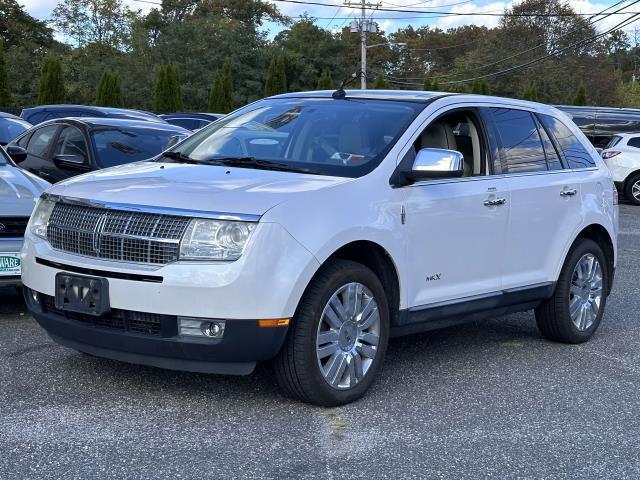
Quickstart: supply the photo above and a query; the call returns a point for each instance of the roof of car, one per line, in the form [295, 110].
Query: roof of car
[117, 122]
[9, 115]
[198, 115]
[409, 95]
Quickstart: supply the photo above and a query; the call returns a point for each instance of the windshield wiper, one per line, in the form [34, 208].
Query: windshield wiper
[179, 157]
[252, 162]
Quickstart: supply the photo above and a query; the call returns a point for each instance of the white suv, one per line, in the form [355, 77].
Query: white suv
[308, 228]
[622, 156]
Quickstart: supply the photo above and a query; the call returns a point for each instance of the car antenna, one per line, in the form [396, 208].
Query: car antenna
[340, 94]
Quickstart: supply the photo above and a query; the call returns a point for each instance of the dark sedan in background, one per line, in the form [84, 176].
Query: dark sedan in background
[59, 149]
[190, 120]
[43, 113]
[600, 124]
[11, 126]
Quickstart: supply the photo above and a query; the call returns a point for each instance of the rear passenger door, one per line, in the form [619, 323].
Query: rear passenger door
[544, 195]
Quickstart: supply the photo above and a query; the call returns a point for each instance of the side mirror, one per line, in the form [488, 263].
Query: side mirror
[73, 162]
[17, 154]
[436, 163]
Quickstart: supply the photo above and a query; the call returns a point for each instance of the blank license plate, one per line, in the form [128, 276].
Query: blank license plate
[80, 294]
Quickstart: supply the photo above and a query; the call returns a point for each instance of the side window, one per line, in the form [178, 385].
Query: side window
[576, 155]
[71, 142]
[39, 142]
[24, 140]
[634, 142]
[553, 159]
[520, 147]
[457, 131]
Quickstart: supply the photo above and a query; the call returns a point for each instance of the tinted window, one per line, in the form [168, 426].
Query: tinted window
[24, 140]
[321, 135]
[36, 118]
[116, 146]
[187, 123]
[10, 128]
[520, 147]
[634, 142]
[70, 142]
[553, 159]
[613, 142]
[575, 153]
[39, 141]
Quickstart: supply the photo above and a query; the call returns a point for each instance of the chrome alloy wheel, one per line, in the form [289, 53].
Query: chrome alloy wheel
[635, 190]
[585, 293]
[348, 335]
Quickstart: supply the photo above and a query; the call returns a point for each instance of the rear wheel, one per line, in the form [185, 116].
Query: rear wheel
[632, 189]
[338, 337]
[573, 313]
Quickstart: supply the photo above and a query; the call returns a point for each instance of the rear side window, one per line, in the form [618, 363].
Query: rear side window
[519, 144]
[613, 142]
[633, 142]
[575, 153]
[39, 141]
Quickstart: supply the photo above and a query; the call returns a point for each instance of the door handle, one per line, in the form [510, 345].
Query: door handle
[496, 202]
[568, 192]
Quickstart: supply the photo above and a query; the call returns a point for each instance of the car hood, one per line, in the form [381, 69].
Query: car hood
[19, 191]
[193, 187]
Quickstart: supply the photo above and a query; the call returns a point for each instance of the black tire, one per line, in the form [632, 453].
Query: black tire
[628, 189]
[552, 316]
[296, 366]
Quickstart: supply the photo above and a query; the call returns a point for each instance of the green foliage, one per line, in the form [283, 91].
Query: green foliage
[17, 27]
[427, 85]
[5, 89]
[435, 86]
[168, 97]
[109, 92]
[325, 82]
[530, 93]
[380, 83]
[227, 79]
[581, 95]
[51, 89]
[276, 81]
[217, 100]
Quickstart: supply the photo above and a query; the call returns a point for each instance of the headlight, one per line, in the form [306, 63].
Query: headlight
[40, 217]
[215, 239]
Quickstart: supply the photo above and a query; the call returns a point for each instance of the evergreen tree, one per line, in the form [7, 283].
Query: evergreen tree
[276, 81]
[427, 85]
[435, 87]
[168, 96]
[51, 89]
[109, 92]
[581, 95]
[476, 87]
[325, 82]
[380, 83]
[161, 102]
[217, 101]
[5, 90]
[227, 77]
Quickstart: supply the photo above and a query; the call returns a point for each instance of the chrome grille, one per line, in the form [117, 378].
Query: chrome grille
[116, 234]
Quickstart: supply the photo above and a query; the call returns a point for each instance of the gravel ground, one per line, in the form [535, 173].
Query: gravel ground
[487, 399]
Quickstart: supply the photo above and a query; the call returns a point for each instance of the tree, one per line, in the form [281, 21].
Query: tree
[5, 90]
[17, 27]
[427, 85]
[276, 81]
[227, 80]
[174, 87]
[105, 22]
[530, 93]
[581, 95]
[217, 101]
[435, 86]
[380, 83]
[109, 92]
[325, 82]
[51, 89]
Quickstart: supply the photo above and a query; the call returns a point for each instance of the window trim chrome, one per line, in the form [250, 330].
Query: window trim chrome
[234, 217]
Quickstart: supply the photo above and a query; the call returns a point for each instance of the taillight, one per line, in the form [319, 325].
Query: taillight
[610, 154]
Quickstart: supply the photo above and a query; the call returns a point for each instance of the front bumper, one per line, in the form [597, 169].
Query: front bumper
[243, 344]
[10, 245]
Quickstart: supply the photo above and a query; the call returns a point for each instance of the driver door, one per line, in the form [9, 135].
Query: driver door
[455, 231]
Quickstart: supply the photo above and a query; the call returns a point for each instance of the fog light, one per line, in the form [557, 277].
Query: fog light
[35, 297]
[197, 327]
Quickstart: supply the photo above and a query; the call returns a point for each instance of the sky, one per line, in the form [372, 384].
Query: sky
[335, 16]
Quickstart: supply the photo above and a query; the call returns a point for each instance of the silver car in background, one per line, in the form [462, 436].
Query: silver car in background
[19, 191]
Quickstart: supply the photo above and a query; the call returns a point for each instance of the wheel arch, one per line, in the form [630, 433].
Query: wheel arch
[375, 257]
[602, 237]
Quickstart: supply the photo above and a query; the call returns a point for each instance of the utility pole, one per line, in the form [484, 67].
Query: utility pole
[363, 25]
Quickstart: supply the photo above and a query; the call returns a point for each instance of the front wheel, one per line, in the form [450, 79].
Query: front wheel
[338, 337]
[573, 313]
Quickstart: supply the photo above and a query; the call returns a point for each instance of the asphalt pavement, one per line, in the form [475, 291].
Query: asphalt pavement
[490, 399]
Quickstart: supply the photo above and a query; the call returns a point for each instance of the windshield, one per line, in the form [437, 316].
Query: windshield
[346, 138]
[10, 128]
[119, 145]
